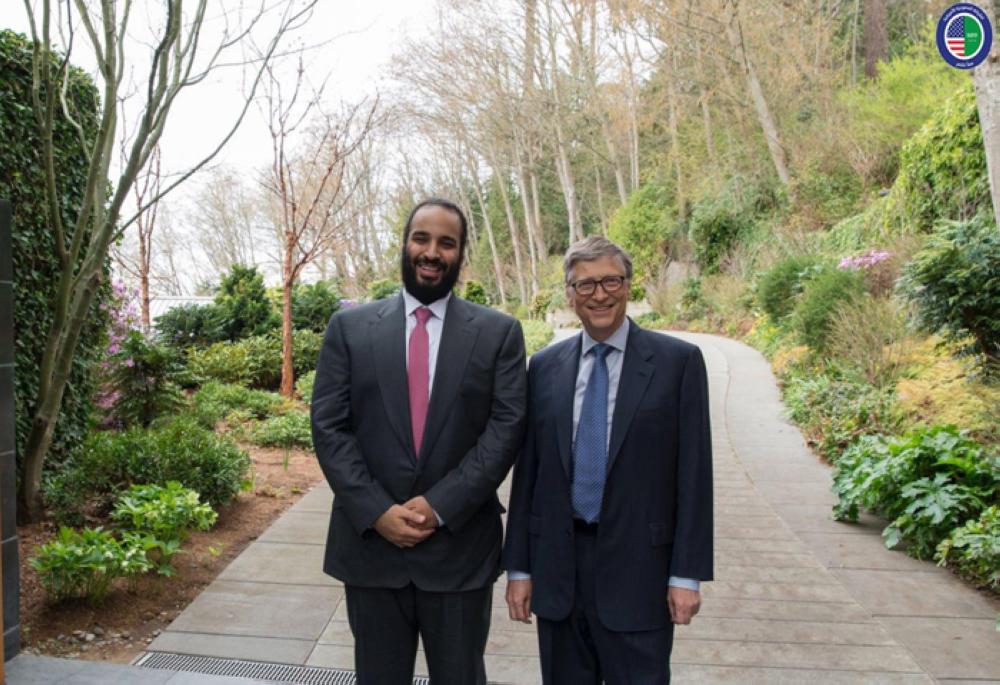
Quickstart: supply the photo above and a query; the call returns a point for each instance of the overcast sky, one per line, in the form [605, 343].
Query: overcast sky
[356, 39]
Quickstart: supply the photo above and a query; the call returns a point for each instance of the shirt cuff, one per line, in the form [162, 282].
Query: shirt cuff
[438, 516]
[518, 575]
[686, 583]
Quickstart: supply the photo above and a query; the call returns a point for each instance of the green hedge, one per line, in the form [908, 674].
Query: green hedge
[256, 361]
[36, 267]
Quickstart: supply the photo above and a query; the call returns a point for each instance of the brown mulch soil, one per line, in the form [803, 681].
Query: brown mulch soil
[133, 615]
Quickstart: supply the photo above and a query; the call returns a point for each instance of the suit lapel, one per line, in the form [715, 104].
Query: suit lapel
[635, 377]
[388, 340]
[458, 338]
[565, 392]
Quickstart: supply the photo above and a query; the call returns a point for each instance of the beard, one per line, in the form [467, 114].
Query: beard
[426, 294]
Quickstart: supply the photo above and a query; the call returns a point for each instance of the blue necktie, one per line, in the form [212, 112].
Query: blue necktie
[590, 453]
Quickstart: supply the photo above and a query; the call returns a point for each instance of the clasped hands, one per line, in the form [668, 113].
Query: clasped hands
[407, 524]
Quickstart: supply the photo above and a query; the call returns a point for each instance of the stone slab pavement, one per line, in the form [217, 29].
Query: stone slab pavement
[797, 597]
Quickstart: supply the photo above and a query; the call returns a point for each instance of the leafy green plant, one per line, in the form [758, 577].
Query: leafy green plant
[537, 334]
[255, 361]
[779, 286]
[84, 563]
[926, 483]
[955, 283]
[191, 325]
[383, 289]
[293, 429]
[651, 320]
[719, 221]
[110, 462]
[214, 401]
[822, 294]
[974, 548]
[304, 386]
[643, 227]
[475, 292]
[313, 305]
[142, 380]
[243, 305]
[692, 302]
[833, 411]
[165, 511]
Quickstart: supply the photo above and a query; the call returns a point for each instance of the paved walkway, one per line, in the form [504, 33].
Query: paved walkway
[798, 597]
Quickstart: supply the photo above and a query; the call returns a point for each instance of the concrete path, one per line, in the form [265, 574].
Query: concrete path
[797, 597]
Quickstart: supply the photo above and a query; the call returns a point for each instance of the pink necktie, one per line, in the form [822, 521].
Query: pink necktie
[418, 376]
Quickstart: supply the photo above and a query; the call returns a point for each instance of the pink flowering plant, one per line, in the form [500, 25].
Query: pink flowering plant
[136, 384]
[878, 267]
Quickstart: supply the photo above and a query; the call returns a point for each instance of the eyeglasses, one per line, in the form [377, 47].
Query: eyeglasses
[610, 284]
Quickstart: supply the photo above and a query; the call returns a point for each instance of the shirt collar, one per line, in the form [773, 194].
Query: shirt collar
[617, 340]
[437, 307]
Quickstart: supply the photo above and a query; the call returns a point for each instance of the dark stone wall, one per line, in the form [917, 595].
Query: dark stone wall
[8, 463]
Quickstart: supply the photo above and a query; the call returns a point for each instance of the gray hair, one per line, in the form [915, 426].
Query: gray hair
[592, 248]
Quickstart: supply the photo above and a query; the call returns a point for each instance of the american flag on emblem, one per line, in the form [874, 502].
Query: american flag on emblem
[955, 37]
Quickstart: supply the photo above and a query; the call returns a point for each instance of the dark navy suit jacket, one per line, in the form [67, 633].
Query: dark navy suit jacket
[656, 517]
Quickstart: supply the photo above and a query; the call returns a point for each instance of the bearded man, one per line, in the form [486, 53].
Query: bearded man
[418, 411]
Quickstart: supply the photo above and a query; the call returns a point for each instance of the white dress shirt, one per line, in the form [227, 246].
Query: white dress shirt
[435, 324]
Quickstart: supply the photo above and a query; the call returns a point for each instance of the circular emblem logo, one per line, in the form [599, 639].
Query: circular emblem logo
[964, 35]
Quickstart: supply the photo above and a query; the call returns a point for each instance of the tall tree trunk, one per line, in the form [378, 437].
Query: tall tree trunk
[488, 226]
[288, 282]
[876, 36]
[600, 200]
[515, 239]
[734, 31]
[529, 222]
[706, 120]
[986, 78]
[675, 143]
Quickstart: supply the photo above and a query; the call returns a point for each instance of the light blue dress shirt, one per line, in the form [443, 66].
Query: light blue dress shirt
[617, 341]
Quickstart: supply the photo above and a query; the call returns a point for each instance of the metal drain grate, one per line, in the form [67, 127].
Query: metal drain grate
[277, 673]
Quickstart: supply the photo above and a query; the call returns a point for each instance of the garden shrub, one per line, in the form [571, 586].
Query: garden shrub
[255, 361]
[936, 388]
[869, 336]
[942, 169]
[643, 226]
[109, 462]
[834, 411]
[955, 284]
[35, 259]
[537, 334]
[313, 305]
[821, 295]
[214, 401]
[475, 292]
[651, 320]
[243, 304]
[304, 386]
[191, 325]
[383, 289]
[84, 563]
[142, 382]
[718, 222]
[974, 548]
[293, 429]
[926, 483]
[779, 286]
[166, 512]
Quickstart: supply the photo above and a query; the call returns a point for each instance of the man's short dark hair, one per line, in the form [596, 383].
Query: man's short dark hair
[438, 202]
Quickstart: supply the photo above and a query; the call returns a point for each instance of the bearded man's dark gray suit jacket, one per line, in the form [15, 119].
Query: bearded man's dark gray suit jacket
[364, 441]
[656, 517]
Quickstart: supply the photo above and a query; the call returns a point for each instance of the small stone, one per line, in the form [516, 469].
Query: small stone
[127, 635]
[156, 633]
[115, 636]
[79, 633]
[98, 631]
[89, 637]
[61, 638]
[84, 648]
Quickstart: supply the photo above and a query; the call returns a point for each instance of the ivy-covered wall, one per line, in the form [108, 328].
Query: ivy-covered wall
[36, 267]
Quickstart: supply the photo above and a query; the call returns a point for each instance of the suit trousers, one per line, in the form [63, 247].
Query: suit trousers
[386, 622]
[579, 650]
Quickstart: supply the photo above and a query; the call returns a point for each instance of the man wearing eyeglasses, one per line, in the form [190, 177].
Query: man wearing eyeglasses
[610, 526]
